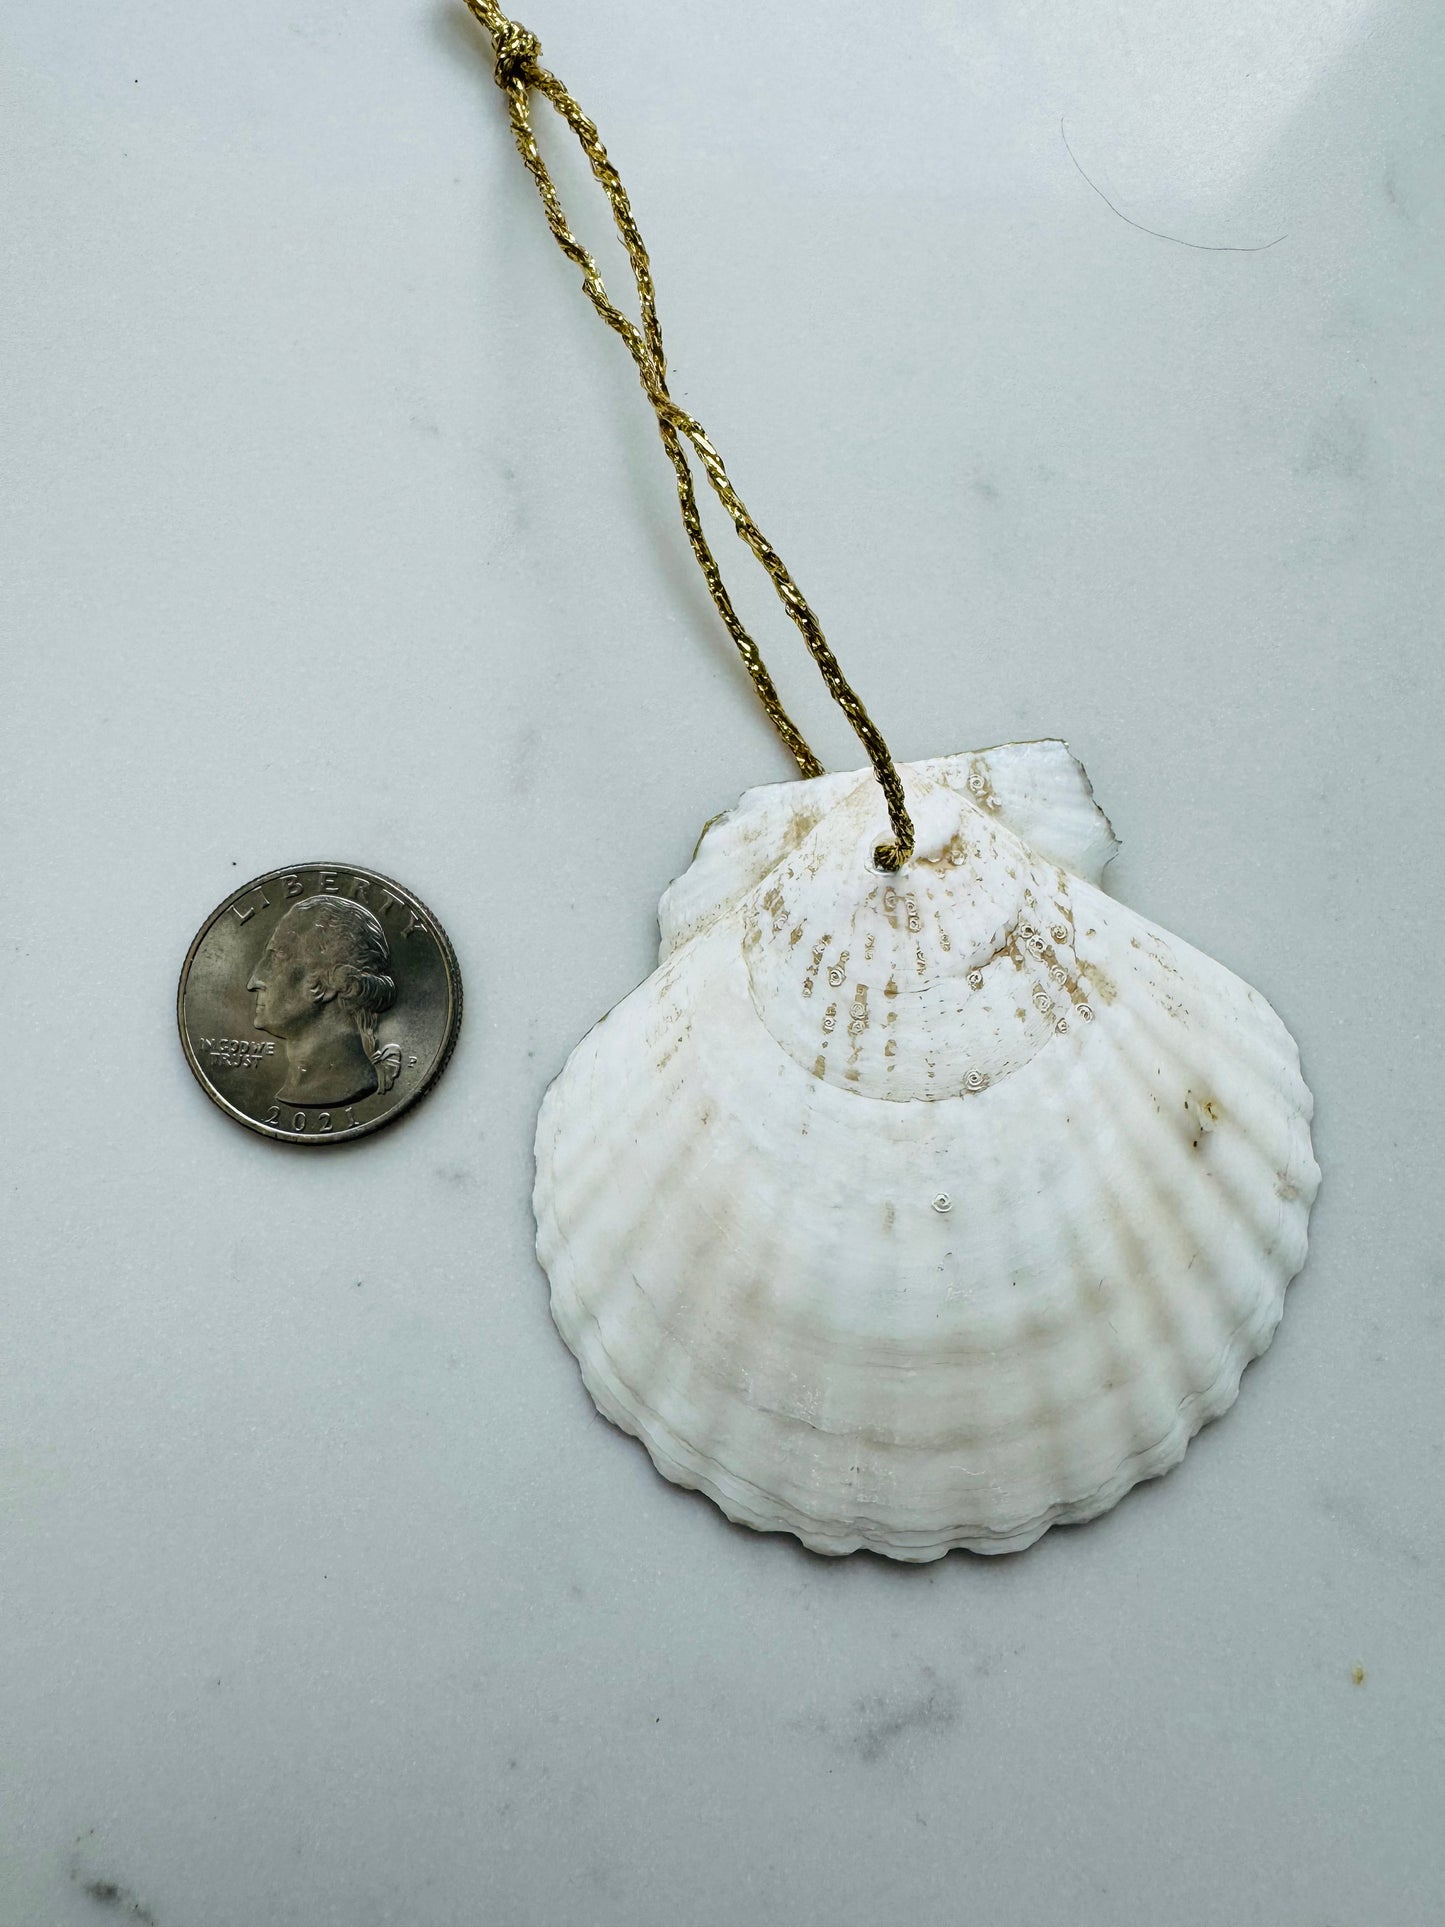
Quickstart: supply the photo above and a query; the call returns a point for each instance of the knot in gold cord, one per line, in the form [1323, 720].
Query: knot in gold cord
[517, 51]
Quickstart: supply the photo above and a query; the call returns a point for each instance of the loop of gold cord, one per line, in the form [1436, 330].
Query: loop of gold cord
[519, 73]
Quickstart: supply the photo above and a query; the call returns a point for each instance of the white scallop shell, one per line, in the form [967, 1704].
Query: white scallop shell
[921, 1211]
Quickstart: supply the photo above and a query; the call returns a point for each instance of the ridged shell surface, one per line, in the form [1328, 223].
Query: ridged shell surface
[926, 1210]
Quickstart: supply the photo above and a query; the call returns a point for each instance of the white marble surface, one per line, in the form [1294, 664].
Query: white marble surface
[334, 524]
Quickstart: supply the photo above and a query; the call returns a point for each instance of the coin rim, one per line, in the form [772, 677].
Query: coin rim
[454, 988]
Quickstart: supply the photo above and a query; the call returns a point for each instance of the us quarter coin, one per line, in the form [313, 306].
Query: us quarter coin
[319, 1002]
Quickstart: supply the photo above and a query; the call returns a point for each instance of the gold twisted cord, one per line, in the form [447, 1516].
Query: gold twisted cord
[519, 74]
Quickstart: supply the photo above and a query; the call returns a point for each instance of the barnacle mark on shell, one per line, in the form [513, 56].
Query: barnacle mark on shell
[888, 1215]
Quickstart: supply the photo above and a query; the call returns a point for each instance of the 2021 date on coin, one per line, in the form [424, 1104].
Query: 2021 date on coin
[319, 1002]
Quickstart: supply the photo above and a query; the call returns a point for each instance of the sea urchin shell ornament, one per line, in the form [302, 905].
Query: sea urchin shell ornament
[928, 1209]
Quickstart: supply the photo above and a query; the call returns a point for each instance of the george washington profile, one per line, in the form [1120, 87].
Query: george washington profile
[320, 985]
